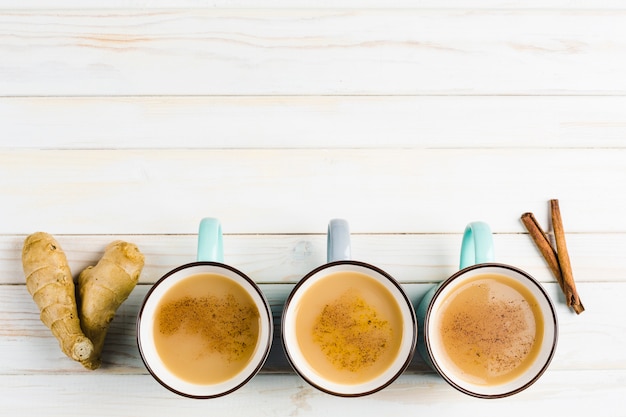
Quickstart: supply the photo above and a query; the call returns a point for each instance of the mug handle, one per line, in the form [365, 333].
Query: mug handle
[477, 246]
[210, 242]
[338, 241]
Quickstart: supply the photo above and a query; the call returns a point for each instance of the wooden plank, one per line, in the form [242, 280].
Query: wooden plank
[307, 4]
[289, 395]
[298, 191]
[311, 52]
[410, 258]
[29, 348]
[78, 395]
[304, 122]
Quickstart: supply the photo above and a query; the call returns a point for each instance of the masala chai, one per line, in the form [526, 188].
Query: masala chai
[206, 328]
[349, 327]
[491, 328]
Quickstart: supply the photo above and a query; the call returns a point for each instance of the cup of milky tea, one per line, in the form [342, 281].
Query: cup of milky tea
[204, 329]
[490, 330]
[348, 328]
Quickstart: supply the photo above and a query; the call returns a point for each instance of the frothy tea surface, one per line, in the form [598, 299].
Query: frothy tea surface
[349, 327]
[206, 328]
[491, 329]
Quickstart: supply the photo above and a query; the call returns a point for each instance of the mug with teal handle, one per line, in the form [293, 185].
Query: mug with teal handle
[326, 285]
[490, 330]
[210, 265]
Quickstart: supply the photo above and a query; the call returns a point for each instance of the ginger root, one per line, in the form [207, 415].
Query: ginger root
[49, 281]
[103, 288]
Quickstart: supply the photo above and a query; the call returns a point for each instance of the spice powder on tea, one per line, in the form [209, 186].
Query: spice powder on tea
[226, 325]
[350, 332]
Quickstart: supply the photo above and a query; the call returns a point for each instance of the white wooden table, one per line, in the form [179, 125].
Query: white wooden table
[131, 119]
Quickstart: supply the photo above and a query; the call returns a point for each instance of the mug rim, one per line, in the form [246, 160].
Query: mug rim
[263, 357]
[551, 312]
[405, 298]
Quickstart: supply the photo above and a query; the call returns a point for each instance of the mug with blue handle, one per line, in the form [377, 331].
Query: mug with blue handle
[343, 274]
[507, 375]
[209, 264]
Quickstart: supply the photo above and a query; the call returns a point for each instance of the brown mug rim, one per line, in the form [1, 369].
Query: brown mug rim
[406, 299]
[453, 278]
[268, 311]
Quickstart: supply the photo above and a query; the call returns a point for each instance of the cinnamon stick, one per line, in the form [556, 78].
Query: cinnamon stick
[569, 286]
[543, 244]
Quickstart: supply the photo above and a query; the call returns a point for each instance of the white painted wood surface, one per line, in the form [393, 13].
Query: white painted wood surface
[312, 52]
[132, 119]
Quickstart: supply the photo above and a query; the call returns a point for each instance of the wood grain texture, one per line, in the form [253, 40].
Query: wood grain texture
[289, 122]
[308, 4]
[312, 52]
[410, 258]
[130, 394]
[404, 190]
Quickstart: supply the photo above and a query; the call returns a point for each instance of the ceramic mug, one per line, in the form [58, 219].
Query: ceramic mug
[490, 330]
[348, 328]
[226, 329]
